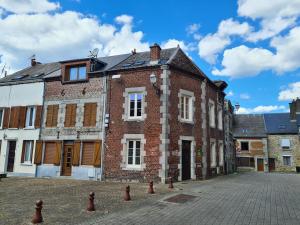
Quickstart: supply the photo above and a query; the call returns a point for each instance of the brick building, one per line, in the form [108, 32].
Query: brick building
[165, 119]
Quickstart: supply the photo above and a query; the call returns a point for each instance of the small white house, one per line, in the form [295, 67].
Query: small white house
[21, 106]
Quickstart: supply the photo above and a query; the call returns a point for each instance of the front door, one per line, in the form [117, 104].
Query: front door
[11, 156]
[186, 160]
[67, 160]
[271, 164]
[260, 165]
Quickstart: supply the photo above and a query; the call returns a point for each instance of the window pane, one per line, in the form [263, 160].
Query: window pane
[30, 116]
[28, 148]
[187, 110]
[130, 144]
[73, 73]
[182, 107]
[139, 107]
[130, 160]
[1, 115]
[82, 73]
[138, 144]
[137, 160]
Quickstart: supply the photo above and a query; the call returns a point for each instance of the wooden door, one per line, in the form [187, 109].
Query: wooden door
[186, 160]
[260, 165]
[67, 160]
[271, 164]
[11, 156]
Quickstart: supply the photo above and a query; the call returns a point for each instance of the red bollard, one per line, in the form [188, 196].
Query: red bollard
[127, 195]
[150, 190]
[38, 218]
[91, 205]
[171, 183]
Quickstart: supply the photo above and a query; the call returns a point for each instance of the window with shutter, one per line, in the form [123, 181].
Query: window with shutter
[30, 117]
[52, 115]
[14, 117]
[22, 117]
[90, 112]
[27, 152]
[1, 117]
[70, 115]
[38, 116]
[88, 153]
[38, 152]
[50, 150]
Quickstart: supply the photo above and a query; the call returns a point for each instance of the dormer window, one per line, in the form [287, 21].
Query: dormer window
[77, 73]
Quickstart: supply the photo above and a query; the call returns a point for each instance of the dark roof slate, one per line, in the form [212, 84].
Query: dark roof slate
[249, 125]
[280, 123]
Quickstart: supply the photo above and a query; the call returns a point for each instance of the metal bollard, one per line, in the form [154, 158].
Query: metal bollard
[150, 190]
[38, 218]
[91, 205]
[171, 183]
[127, 194]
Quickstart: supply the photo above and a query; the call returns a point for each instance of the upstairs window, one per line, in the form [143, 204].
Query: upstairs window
[220, 119]
[76, 73]
[90, 113]
[52, 116]
[285, 144]
[245, 146]
[186, 108]
[212, 120]
[135, 105]
[30, 116]
[1, 117]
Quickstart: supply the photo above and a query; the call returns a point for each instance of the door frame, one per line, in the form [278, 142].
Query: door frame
[7, 153]
[256, 164]
[193, 157]
[64, 144]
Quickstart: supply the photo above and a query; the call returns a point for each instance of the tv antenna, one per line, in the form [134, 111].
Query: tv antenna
[94, 53]
[3, 70]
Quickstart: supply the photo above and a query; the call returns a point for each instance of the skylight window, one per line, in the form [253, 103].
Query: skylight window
[127, 64]
[139, 63]
[19, 77]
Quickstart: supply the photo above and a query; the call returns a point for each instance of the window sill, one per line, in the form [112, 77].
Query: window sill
[137, 119]
[75, 81]
[29, 128]
[186, 121]
[129, 168]
[13, 128]
[26, 164]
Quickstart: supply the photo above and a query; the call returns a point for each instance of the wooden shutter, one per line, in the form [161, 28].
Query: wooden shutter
[50, 150]
[55, 116]
[38, 152]
[90, 112]
[57, 153]
[52, 115]
[38, 116]
[76, 153]
[6, 118]
[23, 152]
[70, 115]
[97, 154]
[22, 116]
[14, 117]
[88, 153]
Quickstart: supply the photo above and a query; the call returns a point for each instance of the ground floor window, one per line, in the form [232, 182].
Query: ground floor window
[245, 162]
[49, 155]
[87, 153]
[287, 160]
[133, 153]
[27, 152]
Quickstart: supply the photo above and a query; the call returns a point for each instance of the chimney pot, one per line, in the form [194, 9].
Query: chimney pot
[33, 62]
[155, 52]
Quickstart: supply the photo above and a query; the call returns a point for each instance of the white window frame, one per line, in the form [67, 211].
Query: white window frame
[2, 117]
[30, 153]
[221, 153]
[220, 118]
[133, 165]
[28, 109]
[136, 94]
[126, 105]
[187, 118]
[290, 160]
[285, 147]
[213, 154]
[212, 116]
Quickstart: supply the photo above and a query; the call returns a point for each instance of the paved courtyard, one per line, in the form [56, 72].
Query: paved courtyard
[247, 198]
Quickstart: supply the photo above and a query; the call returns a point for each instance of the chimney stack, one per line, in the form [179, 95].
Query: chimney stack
[33, 62]
[154, 53]
[294, 108]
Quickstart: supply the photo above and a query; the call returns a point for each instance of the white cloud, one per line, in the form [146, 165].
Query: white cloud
[290, 93]
[244, 96]
[230, 94]
[261, 109]
[173, 43]
[274, 17]
[28, 6]
[193, 28]
[212, 44]
[64, 35]
[242, 61]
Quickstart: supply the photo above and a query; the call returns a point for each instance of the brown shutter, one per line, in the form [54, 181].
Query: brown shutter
[68, 115]
[93, 114]
[87, 115]
[23, 152]
[49, 116]
[6, 118]
[76, 154]
[14, 117]
[55, 115]
[87, 153]
[57, 153]
[50, 150]
[38, 116]
[97, 154]
[22, 116]
[73, 117]
[38, 152]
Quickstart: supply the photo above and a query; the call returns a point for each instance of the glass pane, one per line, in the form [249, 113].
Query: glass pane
[187, 110]
[131, 108]
[182, 107]
[130, 160]
[139, 97]
[137, 160]
[131, 144]
[73, 73]
[139, 107]
[27, 151]
[82, 73]
[138, 144]
[1, 115]
[31, 117]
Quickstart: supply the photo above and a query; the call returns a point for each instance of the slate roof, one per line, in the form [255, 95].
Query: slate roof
[30, 74]
[249, 125]
[280, 123]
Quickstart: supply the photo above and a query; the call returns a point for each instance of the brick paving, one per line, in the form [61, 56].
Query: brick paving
[65, 200]
[242, 199]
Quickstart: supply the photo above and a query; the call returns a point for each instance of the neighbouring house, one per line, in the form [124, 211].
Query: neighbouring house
[166, 119]
[251, 142]
[230, 153]
[72, 133]
[283, 139]
[21, 101]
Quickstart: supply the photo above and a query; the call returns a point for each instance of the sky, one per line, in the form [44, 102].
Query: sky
[251, 44]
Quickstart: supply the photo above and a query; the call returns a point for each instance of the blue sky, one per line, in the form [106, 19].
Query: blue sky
[251, 44]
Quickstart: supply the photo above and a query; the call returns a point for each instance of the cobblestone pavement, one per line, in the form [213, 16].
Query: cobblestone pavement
[242, 199]
[65, 200]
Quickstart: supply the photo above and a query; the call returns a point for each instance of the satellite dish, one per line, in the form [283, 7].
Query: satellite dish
[32, 57]
[94, 53]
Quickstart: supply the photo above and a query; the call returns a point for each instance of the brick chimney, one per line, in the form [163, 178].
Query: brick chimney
[33, 62]
[154, 53]
[294, 109]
